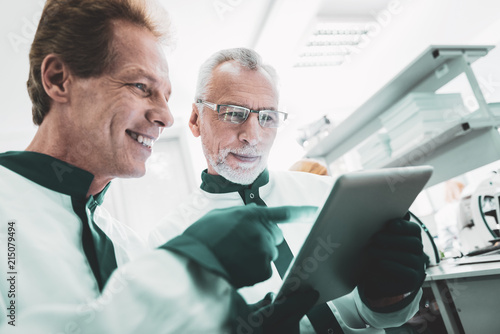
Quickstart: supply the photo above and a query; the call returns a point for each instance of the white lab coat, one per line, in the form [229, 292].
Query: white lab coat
[285, 188]
[55, 291]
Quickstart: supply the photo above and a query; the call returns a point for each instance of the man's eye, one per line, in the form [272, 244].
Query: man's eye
[237, 116]
[140, 86]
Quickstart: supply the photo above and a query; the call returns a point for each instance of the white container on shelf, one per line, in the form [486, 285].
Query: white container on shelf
[419, 124]
[431, 106]
[420, 116]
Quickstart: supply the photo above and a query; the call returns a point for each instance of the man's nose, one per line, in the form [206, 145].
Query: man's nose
[160, 114]
[250, 130]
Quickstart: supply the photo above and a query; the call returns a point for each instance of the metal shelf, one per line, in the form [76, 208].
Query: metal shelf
[459, 149]
[435, 67]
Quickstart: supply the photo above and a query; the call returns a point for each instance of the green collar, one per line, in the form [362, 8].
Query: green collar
[216, 184]
[51, 173]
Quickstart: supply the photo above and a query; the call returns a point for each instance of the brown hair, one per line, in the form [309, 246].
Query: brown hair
[81, 33]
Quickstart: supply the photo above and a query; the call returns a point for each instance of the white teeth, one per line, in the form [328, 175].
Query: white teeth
[148, 142]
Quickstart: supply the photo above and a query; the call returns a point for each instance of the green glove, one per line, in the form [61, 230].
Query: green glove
[282, 316]
[236, 243]
[394, 262]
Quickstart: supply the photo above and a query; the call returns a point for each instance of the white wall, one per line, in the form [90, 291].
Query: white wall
[17, 28]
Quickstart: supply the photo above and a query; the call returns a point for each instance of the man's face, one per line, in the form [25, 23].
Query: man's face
[237, 152]
[115, 118]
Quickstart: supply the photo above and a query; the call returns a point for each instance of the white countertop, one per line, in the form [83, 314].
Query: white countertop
[465, 267]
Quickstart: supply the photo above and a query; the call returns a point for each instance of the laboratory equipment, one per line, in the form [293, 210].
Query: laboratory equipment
[478, 222]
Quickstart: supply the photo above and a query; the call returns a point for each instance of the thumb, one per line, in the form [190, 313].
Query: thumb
[267, 300]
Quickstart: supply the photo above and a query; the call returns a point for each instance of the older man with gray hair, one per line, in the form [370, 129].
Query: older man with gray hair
[236, 115]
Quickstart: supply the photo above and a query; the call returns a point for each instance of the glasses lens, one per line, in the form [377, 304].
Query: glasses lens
[233, 114]
[271, 119]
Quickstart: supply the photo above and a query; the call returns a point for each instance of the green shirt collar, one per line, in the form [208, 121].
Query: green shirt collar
[217, 184]
[51, 173]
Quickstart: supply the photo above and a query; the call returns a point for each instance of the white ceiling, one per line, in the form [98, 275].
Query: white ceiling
[276, 29]
[342, 9]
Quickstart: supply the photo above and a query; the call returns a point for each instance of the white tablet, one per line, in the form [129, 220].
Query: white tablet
[359, 205]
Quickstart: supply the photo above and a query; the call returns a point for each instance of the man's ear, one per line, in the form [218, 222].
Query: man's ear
[194, 121]
[55, 75]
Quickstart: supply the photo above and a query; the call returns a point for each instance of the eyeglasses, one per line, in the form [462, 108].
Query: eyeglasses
[238, 115]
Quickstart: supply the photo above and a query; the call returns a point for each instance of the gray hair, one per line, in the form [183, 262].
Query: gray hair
[245, 57]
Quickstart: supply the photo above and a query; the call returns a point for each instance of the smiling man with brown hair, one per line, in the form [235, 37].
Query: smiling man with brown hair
[100, 86]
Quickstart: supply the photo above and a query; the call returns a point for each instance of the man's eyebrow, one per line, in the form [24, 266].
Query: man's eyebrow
[140, 73]
[246, 106]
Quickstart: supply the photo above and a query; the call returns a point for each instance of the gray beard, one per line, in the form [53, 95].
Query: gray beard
[244, 175]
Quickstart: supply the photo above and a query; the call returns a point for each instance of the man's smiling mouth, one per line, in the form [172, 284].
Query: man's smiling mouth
[145, 141]
[246, 158]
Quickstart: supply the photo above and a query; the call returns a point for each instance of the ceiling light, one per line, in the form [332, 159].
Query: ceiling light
[330, 43]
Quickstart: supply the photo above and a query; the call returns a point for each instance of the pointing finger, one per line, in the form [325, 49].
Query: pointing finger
[286, 214]
[292, 214]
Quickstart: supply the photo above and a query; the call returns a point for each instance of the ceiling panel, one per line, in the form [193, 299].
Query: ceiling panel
[350, 8]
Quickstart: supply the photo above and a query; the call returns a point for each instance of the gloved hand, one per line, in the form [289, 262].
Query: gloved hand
[394, 261]
[282, 316]
[237, 243]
